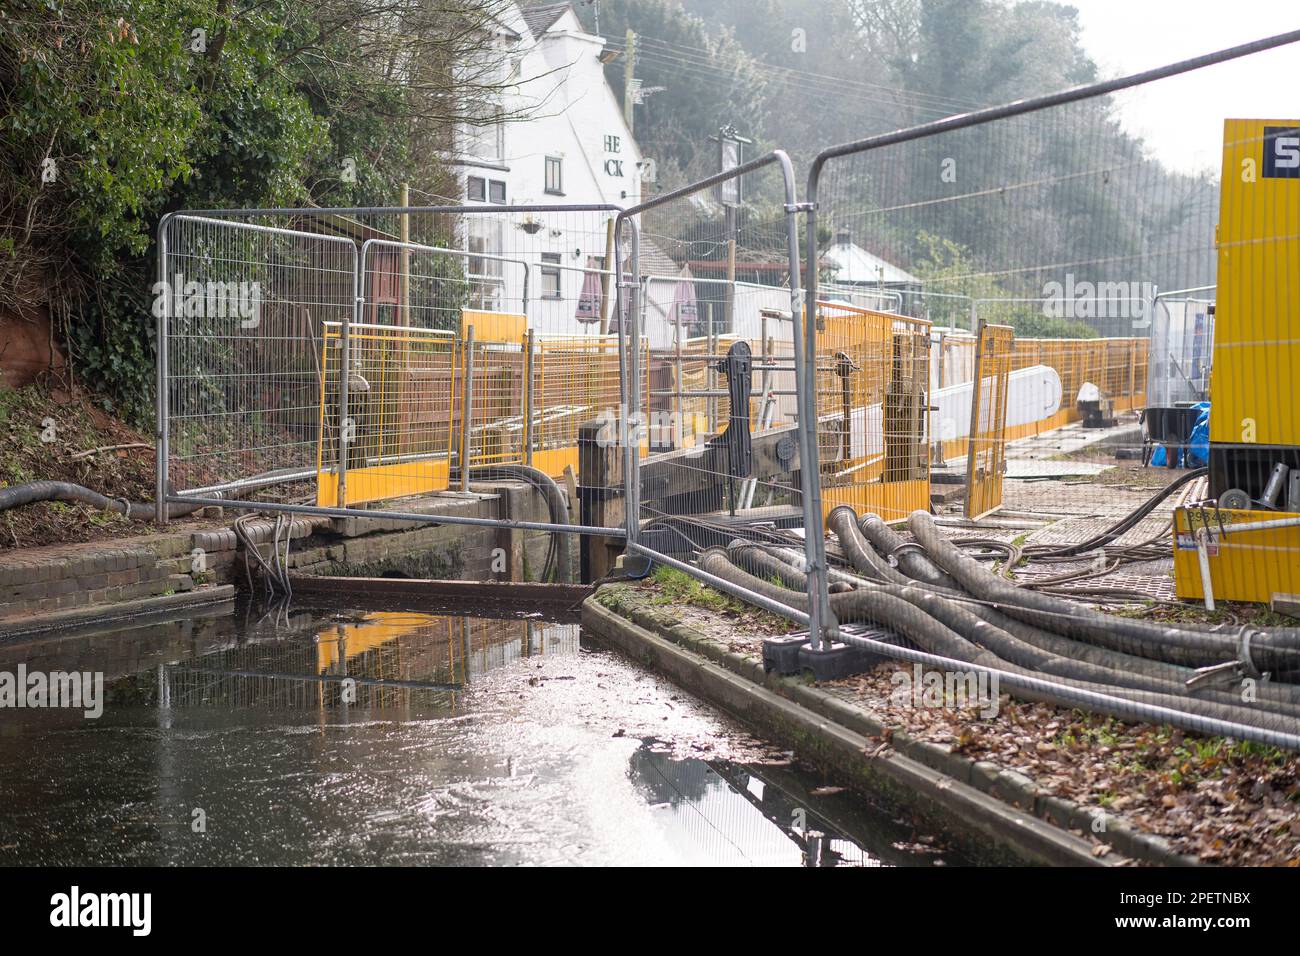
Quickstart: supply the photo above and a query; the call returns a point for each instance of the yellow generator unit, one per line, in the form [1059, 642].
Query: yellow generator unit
[1255, 380]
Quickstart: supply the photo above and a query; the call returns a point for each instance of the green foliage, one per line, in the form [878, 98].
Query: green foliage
[145, 106]
[97, 95]
[674, 125]
[678, 587]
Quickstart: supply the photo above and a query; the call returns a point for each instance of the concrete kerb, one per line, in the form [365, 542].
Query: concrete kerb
[976, 800]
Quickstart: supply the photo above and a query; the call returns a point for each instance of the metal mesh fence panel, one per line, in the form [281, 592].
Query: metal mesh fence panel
[1145, 442]
[242, 307]
[705, 328]
[1182, 344]
[379, 354]
[712, 285]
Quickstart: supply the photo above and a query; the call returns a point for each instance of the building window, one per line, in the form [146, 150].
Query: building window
[478, 189]
[486, 139]
[485, 278]
[550, 276]
[555, 175]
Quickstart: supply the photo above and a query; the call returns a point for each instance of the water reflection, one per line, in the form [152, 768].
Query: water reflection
[722, 813]
[330, 735]
[400, 661]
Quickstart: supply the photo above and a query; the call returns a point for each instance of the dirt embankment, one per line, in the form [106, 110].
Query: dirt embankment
[57, 434]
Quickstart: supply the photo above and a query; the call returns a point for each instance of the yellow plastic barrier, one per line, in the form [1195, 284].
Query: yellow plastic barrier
[400, 404]
[872, 379]
[986, 454]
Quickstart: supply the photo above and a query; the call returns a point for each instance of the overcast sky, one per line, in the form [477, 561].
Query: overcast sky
[1182, 118]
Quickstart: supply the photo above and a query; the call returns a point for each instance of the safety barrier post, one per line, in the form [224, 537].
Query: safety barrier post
[345, 373]
[162, 404]
[530, 341]
[467, 407]
[822, 625]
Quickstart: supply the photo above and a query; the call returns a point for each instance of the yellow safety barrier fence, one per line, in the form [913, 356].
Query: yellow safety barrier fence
[406, 403]
[986, 454]
[398, 429]
[873, 372]
[1118, 366]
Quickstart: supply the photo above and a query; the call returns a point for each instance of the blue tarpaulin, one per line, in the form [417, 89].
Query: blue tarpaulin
[1197, 454]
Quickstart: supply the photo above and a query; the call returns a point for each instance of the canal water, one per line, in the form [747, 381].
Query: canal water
[327, 735]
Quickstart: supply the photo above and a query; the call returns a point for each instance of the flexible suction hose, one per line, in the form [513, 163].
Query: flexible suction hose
[1276, 651]
[910, 558]
[1285, 695]
[982, 629]
[15, 496]
[877, 606]
[861, 555]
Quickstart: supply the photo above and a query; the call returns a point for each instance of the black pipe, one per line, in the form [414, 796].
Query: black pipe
[878, 607]
[976, 625]
[911, 559]
[1276, 650]
[16, 496]
[858, 552]
[1154, 667]
[556, 503]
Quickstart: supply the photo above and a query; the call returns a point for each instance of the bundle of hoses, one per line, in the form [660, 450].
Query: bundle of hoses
[947, 604]
[1101, 550]
[1117, 530]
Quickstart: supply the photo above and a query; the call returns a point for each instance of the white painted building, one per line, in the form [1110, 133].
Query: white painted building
[850, 265]
[561, 139]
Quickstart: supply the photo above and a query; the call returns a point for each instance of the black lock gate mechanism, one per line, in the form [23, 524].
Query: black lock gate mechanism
[738, 366]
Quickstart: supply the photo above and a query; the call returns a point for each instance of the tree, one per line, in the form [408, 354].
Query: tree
[709, 82]
[112, 114]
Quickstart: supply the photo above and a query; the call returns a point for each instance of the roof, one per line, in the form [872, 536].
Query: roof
[654, 261]
[856, 265]
[541, 17]
[335, 224]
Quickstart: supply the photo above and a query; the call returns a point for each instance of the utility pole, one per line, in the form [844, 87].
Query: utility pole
[731, 154]
[404, 275]
[629, 67]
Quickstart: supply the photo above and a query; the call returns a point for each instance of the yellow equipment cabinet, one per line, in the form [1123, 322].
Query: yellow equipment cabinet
[1255, 381]
[1244, 565]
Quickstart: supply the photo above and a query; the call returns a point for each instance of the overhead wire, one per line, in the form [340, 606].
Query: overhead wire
[938, 104]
